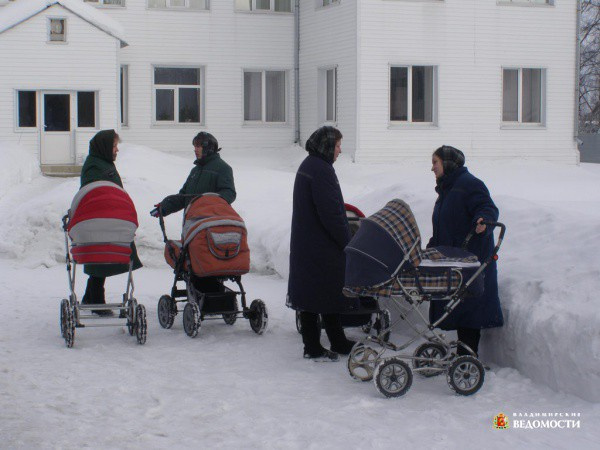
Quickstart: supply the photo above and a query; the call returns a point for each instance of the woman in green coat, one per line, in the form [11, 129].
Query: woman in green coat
[100, 166]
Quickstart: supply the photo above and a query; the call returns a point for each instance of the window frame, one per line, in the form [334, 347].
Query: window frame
[271, 9]
[186, 7]
[526, 3]
[124, 94]
[175, 122]
[320, 4]
[409, 116]
[543, 104]
[49, 30]
[322, 81]
[101, 4]
[96, 109]
[286, 98]
[17, 126]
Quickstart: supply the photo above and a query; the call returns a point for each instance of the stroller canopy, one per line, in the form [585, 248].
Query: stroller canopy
[102, 223]
[386, 242]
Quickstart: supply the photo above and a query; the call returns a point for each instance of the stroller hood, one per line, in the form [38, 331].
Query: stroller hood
[102, 224]
[385, 242]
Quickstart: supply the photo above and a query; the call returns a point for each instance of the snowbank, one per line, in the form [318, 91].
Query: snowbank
[17, 166]
[549, 268]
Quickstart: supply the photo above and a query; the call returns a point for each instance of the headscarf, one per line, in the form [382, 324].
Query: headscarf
[101, 145]
[452, 158]
[322, 143]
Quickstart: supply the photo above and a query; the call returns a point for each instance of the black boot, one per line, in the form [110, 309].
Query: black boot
[335, 332]
[94, 295]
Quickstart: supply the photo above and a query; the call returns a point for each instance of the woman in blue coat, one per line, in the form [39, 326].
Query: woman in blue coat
[463, 203]
[320, 232]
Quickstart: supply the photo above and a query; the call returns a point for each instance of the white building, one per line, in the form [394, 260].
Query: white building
[496, 78]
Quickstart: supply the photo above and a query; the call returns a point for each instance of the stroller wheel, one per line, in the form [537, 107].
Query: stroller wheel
[430, 351]
[191, 319]
[259, 316]
[167, 310]
[131, 312]
[393, 377]
[465, 375]
[383, 323]
[361, 362]
[140, 324]
[230, 319]
[67, 323]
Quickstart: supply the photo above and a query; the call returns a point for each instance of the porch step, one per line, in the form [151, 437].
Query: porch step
[61, 171]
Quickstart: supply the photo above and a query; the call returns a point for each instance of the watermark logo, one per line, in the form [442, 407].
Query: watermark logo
[500, 422]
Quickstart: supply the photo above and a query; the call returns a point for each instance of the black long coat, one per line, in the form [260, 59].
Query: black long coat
[320, 232]
[462, 200]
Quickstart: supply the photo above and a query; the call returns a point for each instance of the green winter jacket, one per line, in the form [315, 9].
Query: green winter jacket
[211, 174]
[99, 166]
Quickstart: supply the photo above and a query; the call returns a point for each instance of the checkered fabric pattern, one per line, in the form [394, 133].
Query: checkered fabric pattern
[398, 220]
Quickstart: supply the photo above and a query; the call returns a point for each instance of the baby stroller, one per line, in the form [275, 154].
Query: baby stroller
[101, 224]
[361, 312]
[384, 260]
[212, 250]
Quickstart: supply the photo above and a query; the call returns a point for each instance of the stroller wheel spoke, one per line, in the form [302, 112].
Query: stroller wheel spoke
[465, 375]
[361, 362]
[393, 377]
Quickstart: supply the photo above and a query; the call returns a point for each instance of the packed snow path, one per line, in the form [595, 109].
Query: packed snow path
[230, 388]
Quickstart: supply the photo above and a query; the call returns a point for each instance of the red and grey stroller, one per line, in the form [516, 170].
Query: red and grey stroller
[384, 260]
[361, 312]
[213, 249]
[101, 225]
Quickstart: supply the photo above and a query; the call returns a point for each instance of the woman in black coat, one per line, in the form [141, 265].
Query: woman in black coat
[463, 202]
[320, 232]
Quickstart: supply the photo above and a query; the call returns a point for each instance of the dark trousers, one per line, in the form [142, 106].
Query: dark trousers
[311, 333]
[94, 291]
[469, 336]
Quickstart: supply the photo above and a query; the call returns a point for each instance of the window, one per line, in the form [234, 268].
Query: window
[327, 93]
[124, 91]
[107, 2]
[27, 109]
[523, 93]
[264, 5]
[412, 94]
[179, 4]
[86, 109]
[539, 2]
[177, 94]
[327, 2]
[264, 96]
[57, 30]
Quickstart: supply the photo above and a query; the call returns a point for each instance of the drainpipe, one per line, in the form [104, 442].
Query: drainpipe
[577, 74]
[297, 69]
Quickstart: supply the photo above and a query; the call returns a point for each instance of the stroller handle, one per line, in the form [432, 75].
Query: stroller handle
[492, 224]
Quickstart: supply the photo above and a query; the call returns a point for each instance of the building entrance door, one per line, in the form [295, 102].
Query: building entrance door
[56, 145]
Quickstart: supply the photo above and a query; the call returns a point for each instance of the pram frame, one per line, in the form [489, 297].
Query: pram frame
[370, 360]
[194, 314]
[71, 316]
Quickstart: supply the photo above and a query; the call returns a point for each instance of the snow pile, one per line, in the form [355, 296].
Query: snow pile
[549, 268]
[17, 166]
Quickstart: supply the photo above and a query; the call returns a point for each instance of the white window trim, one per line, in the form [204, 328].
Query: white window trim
[271, 10]
[185, 8]
[434, 107]
[525, 3]
[518, 124]
[96, 109]
[16, 127]
[174, 122]
[48, 27]
[322, 94]
[100, 4]
[263, 122]
[125, 119]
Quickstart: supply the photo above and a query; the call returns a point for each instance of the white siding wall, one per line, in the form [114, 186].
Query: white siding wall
[87, 62]
[224, 42]
[328, 38]
[470, 41]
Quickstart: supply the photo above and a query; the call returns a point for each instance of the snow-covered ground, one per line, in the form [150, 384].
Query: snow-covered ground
[230, 388]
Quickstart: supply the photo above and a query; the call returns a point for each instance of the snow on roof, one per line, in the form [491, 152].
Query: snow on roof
[15, 13]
